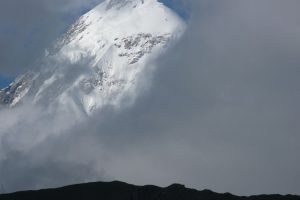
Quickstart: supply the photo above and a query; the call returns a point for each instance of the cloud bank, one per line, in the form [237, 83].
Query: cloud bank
[220, 113]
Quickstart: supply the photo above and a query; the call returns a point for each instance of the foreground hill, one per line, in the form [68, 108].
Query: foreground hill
[122, 191]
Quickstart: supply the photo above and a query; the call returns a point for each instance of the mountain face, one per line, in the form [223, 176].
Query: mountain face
[100, 60]
[122, 191]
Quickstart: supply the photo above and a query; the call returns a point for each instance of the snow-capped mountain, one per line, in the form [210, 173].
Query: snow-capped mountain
[100, 59]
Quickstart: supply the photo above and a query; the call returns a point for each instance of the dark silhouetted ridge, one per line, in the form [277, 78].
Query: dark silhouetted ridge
[122, 191]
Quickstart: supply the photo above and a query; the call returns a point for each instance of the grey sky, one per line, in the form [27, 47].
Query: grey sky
[221, 111]
[28, 27]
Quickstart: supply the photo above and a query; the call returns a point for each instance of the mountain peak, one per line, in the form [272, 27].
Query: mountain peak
[118, 4]
[99, 60]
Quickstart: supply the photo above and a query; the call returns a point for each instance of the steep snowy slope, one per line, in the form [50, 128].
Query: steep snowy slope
[100, 59]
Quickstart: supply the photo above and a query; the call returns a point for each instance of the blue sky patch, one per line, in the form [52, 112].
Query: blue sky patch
[178, 7]
[5, 81]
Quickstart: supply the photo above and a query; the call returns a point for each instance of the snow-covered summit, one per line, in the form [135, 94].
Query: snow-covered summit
[100, 59]
[117, 4]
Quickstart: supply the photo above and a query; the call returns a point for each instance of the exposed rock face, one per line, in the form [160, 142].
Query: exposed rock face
[135, 47]
[17, 90]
